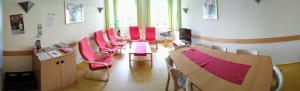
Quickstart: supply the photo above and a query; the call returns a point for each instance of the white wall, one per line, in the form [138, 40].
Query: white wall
[59, 32]
[245, 19]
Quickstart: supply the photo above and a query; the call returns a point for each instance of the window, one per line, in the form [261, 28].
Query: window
[159, 14]
[127, 13]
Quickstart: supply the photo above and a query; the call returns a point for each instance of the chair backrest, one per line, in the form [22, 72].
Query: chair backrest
[175, 73]
[111, 35]
[99, 39]
[219, 48]
[250, 52]
[150, 33]
[134, 33]
[277, 74]
[85, 50]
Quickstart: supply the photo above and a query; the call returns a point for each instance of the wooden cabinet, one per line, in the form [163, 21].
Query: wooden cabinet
[55, 73]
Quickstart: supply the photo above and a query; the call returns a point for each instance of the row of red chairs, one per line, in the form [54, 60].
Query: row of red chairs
[106, 51]
[150, 34]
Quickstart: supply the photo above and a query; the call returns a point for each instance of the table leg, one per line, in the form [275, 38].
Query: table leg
[151, 59]
[129, 59]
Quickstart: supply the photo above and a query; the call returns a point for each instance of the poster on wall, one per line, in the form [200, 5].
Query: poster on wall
[17, 24]
[210, 9]
[74, 12]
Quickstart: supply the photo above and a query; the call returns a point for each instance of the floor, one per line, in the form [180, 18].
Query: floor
[291, 73]
[141, 77]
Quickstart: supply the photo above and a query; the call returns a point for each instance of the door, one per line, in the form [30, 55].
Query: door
[1, 43]
[50, 75]
[68, 69]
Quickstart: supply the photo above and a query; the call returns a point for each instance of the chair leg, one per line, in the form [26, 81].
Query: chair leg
[102, 80]
[156, 45]
[193, 85]
[168, 81]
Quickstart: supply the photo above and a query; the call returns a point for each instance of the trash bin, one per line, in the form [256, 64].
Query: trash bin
[20, 81]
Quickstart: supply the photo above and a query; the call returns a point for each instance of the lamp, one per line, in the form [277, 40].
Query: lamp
[27, 5]
[100, 9]
[185, 10]
[257, 1]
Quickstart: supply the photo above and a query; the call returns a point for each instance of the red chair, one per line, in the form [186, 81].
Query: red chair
[134, 34]
[103, 45]
[115, 40]
[94, 62]
[151, 35]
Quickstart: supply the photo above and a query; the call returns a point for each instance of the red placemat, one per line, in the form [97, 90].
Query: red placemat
[140, 49]
[227, 70]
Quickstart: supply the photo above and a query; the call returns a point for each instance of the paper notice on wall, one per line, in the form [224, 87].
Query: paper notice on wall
[51, 19]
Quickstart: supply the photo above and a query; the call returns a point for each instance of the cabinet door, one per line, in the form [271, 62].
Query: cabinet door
[68, 69]
[50, 75]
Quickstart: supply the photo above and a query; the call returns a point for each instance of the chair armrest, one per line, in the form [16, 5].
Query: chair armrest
[118, 37]
[116, 43]
[101, 63]
[99, 52]
[104, 48]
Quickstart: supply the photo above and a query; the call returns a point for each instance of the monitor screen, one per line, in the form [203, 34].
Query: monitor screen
[185, 35]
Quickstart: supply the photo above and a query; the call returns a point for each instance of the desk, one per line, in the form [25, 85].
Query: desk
[258, 78]
[55, 72]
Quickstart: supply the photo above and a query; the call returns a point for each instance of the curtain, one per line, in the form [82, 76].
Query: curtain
[106, 14]
[116, 18]
[139, 11]
[148, 14]
[179, 22]
[170, 9]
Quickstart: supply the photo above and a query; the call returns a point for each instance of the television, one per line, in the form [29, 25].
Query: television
[185, 35]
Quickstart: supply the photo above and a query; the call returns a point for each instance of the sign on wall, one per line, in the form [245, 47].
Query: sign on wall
[210, 9]
[74, 12]
[17, 24]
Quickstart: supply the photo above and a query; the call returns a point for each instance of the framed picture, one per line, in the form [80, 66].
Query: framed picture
[74, 12]
[17, 24]
[210, 9]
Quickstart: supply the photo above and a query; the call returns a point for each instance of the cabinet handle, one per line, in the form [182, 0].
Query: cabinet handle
[62, 61]
[57, 62]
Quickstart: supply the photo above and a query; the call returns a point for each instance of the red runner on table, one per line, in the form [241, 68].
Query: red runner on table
[140, 49]
[227, 70]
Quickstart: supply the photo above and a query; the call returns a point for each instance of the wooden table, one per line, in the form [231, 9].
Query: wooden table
[143, 51]
[258, 78]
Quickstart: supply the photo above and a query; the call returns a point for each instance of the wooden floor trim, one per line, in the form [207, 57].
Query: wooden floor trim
[18, 53]
[212, 39]
[29, 52]
[249, 41]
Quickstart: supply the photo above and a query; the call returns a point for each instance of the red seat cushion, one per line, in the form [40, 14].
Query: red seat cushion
[134, 33]
[106, 60]
[85, 50]
[99, 39]
[150, 34]
[113, 38]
